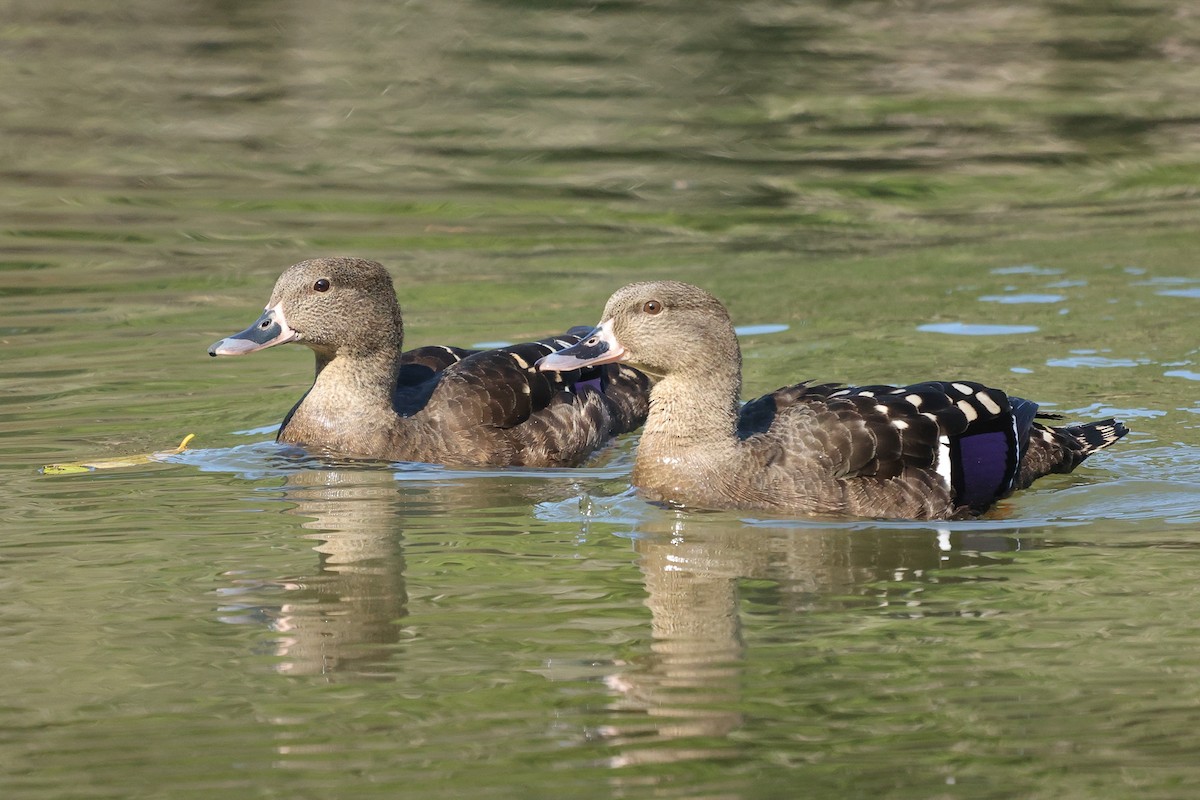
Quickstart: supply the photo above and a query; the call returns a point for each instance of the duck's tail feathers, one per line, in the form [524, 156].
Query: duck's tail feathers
[1062, 449]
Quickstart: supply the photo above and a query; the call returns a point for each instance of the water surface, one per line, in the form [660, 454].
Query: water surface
[856, 180]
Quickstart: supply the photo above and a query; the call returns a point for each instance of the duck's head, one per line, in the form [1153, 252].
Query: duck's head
[333, 305]
[659, 327]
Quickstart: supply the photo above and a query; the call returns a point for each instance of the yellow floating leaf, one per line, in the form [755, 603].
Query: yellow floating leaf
[115, 463]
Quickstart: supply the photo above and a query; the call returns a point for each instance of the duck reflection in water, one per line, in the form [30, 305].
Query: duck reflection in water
[346, 615]
[711, 583]
[695, 569]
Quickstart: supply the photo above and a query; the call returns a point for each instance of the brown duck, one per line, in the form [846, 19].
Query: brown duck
[932, 450]
[441, 405]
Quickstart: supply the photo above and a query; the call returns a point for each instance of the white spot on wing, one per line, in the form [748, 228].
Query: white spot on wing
[963, 389]
[987, 402]
[969, 411]
[943, 459]
[882, 409]
[900, 424]
[915, 399]
[522, 363]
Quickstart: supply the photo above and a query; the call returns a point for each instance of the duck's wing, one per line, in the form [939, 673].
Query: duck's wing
[421, 363]
[420, 369]
[558, 417]
[970, 435]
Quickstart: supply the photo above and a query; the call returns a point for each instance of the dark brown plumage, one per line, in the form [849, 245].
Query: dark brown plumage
[932, 450]
[442, 405]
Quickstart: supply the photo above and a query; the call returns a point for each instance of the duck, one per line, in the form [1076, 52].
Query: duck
[928, 451]
[445, 405]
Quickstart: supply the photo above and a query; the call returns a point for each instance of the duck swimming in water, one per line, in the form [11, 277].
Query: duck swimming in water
[442, 405]
[933, 450]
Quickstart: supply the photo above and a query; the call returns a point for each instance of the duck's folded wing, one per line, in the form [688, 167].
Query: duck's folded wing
[501, 388]
[423, 362]
[420, 369]
[844, 431]
[972, 435]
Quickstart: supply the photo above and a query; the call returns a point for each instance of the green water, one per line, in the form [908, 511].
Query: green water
[239, 621]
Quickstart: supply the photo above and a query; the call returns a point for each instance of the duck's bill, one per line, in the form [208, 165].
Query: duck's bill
[267, 331]
[599, 346]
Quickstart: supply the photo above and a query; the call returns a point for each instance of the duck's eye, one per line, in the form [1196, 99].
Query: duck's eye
[652, 307]
[322, 285]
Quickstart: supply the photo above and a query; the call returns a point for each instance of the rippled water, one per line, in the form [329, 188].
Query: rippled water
[880, 192]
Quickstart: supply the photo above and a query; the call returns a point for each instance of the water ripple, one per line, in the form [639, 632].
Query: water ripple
[1095, 362]
[975, 329]
[1015, 299]
[1026, 269]
[758, 330]
[1191, 292]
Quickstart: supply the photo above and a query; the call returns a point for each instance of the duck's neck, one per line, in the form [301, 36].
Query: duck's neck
[348, 380]
[351, 392]
[691, 426]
